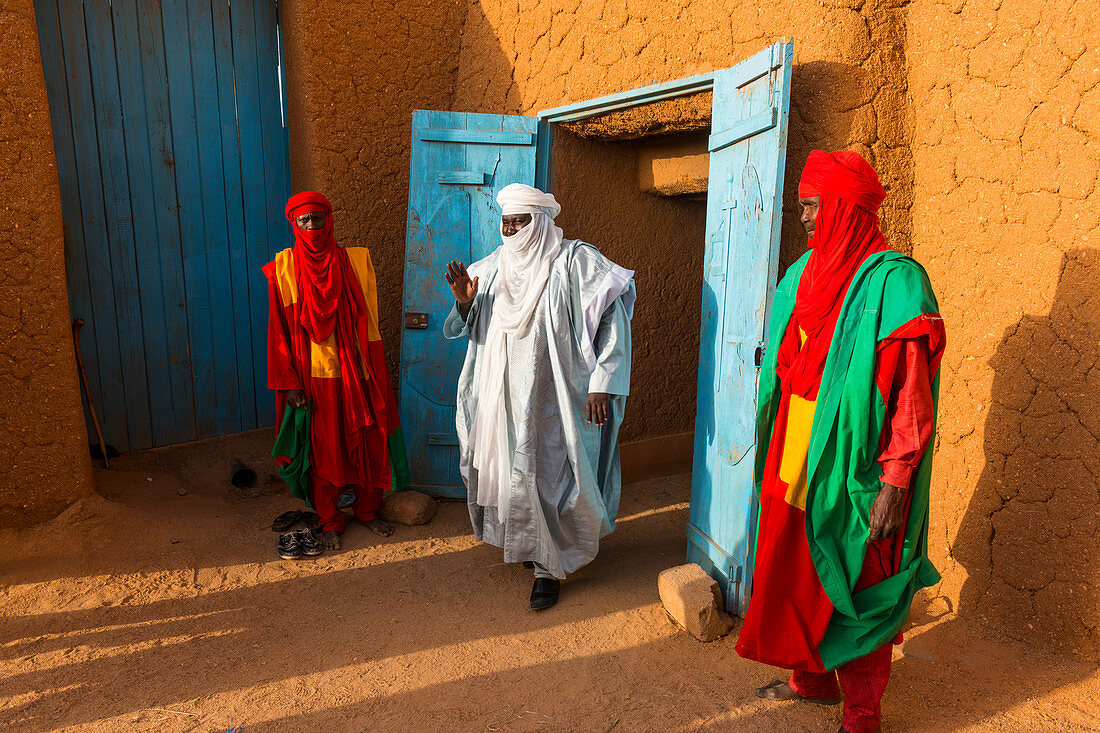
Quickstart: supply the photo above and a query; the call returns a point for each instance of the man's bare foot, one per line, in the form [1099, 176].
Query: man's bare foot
[331, 540]
[383, 529]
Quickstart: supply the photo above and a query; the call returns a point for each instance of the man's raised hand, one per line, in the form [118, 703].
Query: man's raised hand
[462, 286]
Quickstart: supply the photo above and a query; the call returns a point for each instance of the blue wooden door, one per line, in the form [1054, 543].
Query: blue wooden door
[748, 144]
[459, 162]
[172, 156]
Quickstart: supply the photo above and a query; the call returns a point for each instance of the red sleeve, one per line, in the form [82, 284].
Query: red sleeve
[904, 371]
[281, 374]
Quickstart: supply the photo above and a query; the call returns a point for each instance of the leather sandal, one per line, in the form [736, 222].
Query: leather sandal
[780, 690]
[285, 521]
[544, 593]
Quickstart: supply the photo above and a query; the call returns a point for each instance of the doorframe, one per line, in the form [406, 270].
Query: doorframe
[755, 66]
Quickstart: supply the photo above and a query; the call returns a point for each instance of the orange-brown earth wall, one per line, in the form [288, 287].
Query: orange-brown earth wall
[44, 460]
[981, 117]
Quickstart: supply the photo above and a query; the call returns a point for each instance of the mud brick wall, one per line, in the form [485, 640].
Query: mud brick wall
[848, 91]
[355, 73]
[44, 460]
[1006, 150]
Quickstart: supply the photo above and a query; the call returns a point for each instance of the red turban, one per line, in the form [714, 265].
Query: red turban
[846, 232]
[843, 174]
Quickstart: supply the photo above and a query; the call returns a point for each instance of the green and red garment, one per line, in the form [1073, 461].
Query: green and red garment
[824, 466]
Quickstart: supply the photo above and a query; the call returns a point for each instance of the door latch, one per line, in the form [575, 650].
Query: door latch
[416, 320]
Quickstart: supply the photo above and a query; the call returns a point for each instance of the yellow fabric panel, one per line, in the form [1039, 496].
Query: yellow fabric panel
[364, 271]
[324, 359]
[796, 445]
[796, 449]
[284, 277]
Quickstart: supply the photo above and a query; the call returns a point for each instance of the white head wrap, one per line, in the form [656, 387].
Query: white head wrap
[525, 257]
[523, 271]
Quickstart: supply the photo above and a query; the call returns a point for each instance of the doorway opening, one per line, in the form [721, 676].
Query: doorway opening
[633, 182]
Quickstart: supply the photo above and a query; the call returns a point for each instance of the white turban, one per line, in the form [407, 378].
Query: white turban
[516, 198]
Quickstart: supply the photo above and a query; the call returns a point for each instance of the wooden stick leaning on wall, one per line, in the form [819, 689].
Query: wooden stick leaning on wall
[77, 324]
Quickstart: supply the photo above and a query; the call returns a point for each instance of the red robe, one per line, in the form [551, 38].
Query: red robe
[348, 447]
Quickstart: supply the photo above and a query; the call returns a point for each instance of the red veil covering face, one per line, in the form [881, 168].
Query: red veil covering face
[331, 301]
[846, 232]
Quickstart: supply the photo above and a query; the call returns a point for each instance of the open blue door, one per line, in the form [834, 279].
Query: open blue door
[748, 145]
[459, 162]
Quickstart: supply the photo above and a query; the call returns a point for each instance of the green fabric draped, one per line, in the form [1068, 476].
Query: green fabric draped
[292, 441]
[887, 292]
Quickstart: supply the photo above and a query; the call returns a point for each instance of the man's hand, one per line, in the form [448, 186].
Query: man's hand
[296, 398]
[462, 286]
[887, 513]
[599, 405]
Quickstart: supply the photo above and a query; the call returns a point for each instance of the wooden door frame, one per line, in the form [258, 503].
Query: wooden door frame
[755, 66]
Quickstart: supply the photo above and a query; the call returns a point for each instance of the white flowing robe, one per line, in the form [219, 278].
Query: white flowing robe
[563, 495]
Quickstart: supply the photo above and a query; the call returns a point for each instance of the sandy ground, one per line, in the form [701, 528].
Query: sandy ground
[159, 604]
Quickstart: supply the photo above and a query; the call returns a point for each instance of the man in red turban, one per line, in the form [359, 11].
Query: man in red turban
[846, 413]
[324, 355]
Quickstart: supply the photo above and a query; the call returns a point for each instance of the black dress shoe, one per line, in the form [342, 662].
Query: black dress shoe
[544, 593]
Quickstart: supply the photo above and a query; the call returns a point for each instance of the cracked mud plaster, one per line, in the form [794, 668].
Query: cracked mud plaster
[848, 91]
[355, 73]
[1006, 151]
[44, 463]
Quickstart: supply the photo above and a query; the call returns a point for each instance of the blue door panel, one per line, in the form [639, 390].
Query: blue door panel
[744, 205]
[173, 168]
[459, 162]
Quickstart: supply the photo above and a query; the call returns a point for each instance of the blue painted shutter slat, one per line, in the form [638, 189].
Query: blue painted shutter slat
[449, 219]
[119, 219]
[100, 327]
[744, 206]
[225, 415]
[170, 143]
[255, 207]
[240, 326]
[142, 83]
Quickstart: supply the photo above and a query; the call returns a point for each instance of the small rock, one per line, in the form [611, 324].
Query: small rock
[182, 492]
[692, 599]
[408, 507]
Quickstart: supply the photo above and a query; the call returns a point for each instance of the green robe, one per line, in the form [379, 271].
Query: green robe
[887, 292]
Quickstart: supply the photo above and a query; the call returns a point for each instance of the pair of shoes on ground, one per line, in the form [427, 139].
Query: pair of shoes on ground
[286, 520]
[293, 545]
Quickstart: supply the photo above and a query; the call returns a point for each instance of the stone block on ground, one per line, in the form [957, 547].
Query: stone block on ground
[692, 599]
[408, 507]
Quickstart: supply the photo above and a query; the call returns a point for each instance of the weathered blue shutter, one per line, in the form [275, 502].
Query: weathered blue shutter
[744, 207]
[173, 163]
[459, 161]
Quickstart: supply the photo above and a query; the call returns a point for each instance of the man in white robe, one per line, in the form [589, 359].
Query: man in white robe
[542, 392]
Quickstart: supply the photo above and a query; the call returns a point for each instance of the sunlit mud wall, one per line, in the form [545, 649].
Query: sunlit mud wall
[355, 73]
[848, 91]
[1006, 149]
[44, 461]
